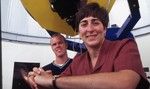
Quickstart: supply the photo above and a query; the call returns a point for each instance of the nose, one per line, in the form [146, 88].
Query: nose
[90, 27]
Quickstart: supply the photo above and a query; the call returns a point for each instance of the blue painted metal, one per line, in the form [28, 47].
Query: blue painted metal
[132, 19]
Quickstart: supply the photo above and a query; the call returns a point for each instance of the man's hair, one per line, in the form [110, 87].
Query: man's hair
[92, 9]
[59, 36]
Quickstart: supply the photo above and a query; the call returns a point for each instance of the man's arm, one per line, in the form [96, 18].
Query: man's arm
[125, 79]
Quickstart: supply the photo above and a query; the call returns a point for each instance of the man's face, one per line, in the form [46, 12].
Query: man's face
[91, 31]
[59, 46]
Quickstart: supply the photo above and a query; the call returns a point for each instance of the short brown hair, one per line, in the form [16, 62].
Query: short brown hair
[59, 36]
[92, 9]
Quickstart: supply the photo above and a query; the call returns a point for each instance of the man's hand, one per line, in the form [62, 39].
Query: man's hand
[39, 79]
[44, 78]
[29, 78]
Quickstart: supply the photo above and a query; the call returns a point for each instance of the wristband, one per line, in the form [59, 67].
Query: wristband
[54, 81]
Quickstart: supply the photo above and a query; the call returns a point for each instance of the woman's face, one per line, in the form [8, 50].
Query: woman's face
[91, 31]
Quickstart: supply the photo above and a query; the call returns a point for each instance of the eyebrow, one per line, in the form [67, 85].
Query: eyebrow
[94, 19]
[82, 21]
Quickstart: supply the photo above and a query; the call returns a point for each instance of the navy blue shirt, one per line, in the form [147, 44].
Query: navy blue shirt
[57, 69]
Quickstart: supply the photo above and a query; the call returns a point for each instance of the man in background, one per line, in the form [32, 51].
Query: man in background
[59, 47]
[60, 63]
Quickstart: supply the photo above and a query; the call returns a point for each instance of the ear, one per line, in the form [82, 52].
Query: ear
[105, 29]
[80, 37]
[66, 45]
[76, 30]
[105, 32]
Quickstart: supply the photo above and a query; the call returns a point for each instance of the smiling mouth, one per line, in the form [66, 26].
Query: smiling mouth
[58, 50]
[91, 36]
